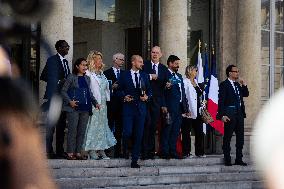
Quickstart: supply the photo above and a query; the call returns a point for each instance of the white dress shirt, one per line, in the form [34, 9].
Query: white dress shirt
[115, 71]
[235, 89]
[133, 76]
[63, 64]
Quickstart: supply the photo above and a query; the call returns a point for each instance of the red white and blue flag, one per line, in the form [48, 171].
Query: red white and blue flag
[212, 104]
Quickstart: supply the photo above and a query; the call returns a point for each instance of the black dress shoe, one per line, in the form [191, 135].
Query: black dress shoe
[134, 164]
[240, 163]
[228, 164]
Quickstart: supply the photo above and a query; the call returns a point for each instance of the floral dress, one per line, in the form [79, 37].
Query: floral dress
[98, 134]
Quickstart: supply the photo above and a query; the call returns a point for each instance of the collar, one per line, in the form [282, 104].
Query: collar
[231, 81]
[132, 71]
[61, 57]
[171, 71]
[157, 64]
[115, 69]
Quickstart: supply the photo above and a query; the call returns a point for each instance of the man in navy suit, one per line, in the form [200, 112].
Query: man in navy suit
[134, 88]
[114, 106]
[55, 73]
[176, 104]
[158, 74]
[231, 110]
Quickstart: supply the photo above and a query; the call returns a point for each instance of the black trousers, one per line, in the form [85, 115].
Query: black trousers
[60, 127]
[115, 124]
[152, 119]
[236, 124]
[187, 126]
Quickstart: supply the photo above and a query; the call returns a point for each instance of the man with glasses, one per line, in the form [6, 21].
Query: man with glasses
[114, 106]
[54, 74]
[231, 110]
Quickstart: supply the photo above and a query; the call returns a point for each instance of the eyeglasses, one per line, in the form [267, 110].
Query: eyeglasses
[121, 59]
[235, 71]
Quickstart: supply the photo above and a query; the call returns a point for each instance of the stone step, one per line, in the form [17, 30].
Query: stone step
[155, 180]
[209, 160]
[145, 171]
[209, 185]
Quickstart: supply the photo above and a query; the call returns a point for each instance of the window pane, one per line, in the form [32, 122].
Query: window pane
[105, 10]
[265, 83]
[265, 9]
[84, 8]
[279, 6]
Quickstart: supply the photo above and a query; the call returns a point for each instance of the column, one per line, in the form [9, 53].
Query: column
[57, 25]
[249, 54]
[173, 30]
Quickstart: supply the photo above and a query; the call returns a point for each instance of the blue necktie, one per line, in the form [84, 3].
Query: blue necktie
[154, 69]
[66, 68]
[117, 74]
[136, 80]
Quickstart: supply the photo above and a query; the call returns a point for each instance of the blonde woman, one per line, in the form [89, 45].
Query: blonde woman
[194, 98]
[98, 135]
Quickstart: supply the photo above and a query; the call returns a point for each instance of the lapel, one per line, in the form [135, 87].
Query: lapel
[232, 88]
[113, 76]
[129, 78]
[59, 62]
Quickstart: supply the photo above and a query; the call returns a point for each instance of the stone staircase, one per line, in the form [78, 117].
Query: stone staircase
[195, 173]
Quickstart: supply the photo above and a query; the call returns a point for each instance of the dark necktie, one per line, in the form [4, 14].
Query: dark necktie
[66, 68]
[174, 75]
[117, 74]
[136, 80]
[154, 69]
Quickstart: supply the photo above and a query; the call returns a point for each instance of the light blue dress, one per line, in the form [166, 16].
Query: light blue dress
[98, 134]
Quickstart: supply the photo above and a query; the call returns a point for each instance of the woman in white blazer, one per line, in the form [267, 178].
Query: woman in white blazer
[194, 98]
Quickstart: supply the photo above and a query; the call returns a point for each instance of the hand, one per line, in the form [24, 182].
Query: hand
[168, 85]
[128, 98]
[164, 110]
[225, 119]
[154, 76]
[144, 98]
[98, 106]
[114, 86]
[73, 103]
[242, 82]
[187, 115]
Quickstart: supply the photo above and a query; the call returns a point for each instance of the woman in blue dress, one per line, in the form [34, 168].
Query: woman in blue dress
[98, 134]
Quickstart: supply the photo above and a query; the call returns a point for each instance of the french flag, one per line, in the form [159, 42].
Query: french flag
[212, 105]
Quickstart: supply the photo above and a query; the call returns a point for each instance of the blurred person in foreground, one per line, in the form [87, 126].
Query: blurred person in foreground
[231, 110]
[22, 160]
[267, 142]
[5, 65]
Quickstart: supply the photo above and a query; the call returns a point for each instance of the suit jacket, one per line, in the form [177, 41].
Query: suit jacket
[173, 95]
[126, 87]
[158, 85]
[228, 99]
[55, 76]
[115, 103]
[72, 82]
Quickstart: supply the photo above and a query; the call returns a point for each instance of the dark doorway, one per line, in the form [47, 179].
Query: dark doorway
[133, 44]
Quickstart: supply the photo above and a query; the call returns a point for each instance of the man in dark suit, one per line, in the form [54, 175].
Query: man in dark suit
[54, 73]
[114, 106]
[176, 104]
[134, 88]
[231, 110]
[158, 74]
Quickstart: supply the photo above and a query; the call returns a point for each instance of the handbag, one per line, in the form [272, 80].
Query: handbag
[78, 94]
[206, 116]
